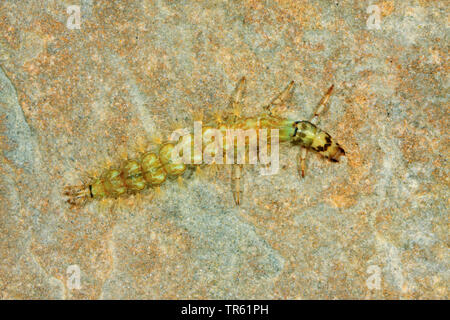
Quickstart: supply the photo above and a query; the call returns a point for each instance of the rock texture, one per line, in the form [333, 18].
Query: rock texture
[373, 226]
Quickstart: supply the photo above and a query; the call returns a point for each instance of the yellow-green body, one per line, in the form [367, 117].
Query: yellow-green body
[152, 169]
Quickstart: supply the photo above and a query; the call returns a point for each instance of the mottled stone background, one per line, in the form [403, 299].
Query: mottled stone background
[73, 99]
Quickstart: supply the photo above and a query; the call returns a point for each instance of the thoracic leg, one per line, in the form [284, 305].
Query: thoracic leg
[237, 99]
[236, 187]
[280, 99]
[302, 160]
[321, 106]
[237, 103]
[314, 119]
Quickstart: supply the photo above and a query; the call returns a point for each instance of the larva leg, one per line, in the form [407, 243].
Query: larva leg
[237, 98]
[321, 106]
[236, 186]
[280, 99]
[302, 162]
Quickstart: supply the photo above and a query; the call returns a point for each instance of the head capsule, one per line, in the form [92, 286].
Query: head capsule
[304, 133]
[309, 136]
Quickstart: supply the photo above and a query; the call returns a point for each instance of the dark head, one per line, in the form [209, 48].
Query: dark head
[310, 136]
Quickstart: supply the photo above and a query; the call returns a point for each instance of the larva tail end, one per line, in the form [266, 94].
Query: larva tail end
[77, 195]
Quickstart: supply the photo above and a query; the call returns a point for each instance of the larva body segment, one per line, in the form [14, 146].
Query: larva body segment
[113, 183]
[134, 179]
[168, 165]
[151, 169]
[154, 173]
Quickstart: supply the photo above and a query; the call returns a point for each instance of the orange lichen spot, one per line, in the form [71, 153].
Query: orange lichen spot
[342, 200]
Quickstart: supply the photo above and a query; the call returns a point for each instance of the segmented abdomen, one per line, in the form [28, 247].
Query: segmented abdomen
[151, 169]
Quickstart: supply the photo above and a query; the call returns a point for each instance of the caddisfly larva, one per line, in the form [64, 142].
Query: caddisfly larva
[151, 169]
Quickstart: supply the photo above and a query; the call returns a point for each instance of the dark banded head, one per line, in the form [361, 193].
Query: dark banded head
[303, 133]
[310, 136]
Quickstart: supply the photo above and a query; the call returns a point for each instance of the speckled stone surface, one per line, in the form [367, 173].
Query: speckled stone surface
[374, 225]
